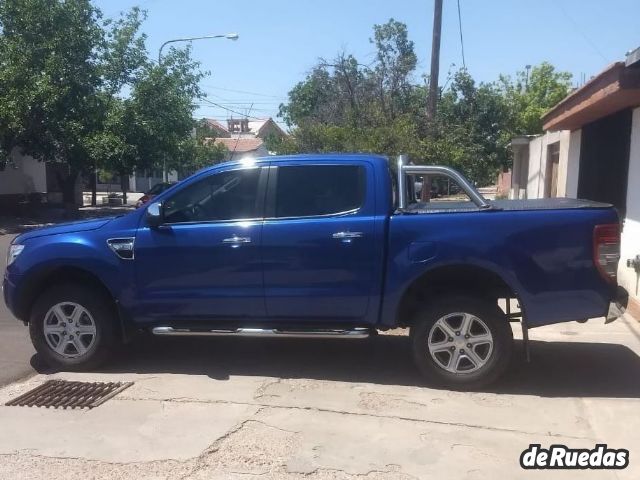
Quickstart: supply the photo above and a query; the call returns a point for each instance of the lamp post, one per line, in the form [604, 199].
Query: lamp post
[228, 36]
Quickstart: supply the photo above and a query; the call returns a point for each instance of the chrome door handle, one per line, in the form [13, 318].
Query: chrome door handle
[236, 240]
[342, 235]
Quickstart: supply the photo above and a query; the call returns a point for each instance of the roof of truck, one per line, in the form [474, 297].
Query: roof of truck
[310, 157]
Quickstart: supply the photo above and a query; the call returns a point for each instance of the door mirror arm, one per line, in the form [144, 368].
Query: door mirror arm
[155, 215]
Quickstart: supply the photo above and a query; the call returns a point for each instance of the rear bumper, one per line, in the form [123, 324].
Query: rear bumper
[618, 305]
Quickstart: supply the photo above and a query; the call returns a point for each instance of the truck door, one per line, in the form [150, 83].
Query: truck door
[204, 262]
[319, 246]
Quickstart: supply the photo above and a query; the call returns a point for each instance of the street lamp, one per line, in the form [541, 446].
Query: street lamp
[228, 36]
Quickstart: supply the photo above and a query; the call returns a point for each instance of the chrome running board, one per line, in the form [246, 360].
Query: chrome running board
[262, 332]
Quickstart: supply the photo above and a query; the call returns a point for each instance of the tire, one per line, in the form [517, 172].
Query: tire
[489, 336]
[89, 331]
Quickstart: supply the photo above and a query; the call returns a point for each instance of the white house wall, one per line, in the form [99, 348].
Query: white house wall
[569, 160]
[23, 175]
[563, 162]
[572, 164]
[538, 163]
[630, 247]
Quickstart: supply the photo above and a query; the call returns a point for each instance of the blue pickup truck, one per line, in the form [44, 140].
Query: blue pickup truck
[329, 246]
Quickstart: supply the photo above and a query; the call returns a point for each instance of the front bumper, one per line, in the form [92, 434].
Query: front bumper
[9, 293]
[618, 305]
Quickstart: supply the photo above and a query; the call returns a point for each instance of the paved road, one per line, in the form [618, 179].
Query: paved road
[15, 346]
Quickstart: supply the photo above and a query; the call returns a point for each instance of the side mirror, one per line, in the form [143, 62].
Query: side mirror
[155, 215]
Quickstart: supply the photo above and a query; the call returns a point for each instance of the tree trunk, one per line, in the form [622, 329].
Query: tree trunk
[94, 188]
[124, 181]
[68, 186]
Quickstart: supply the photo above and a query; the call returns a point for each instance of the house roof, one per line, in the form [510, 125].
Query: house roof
[257, 127]
[240, 145]
[615, 88]
[214, 124]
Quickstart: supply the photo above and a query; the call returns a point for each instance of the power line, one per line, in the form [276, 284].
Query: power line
[464, 64]
[241, 91]
[229, 109]
[235, 147]
[581, 32]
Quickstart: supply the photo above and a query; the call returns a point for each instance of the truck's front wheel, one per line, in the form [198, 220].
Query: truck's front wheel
[462, 342]
[72, 327]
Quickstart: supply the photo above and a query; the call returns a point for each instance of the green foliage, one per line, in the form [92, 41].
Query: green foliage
[346, 106]
[530, 98]
[77, 89]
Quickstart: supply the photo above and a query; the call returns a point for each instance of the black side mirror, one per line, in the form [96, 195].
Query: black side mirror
[155, 214]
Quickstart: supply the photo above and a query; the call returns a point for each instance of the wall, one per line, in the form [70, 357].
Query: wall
[630, 247]
[572, 166]
[26, 175]
[567, 166]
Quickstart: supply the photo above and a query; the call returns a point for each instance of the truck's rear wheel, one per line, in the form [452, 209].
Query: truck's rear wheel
[72, 327]
[462, 342]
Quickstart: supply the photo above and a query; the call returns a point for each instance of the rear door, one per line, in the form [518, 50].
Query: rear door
[318, 244]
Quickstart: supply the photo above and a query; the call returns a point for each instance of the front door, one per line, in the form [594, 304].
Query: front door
[319, 246]
[204, 262]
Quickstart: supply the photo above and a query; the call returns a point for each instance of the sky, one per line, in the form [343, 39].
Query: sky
[281, 40]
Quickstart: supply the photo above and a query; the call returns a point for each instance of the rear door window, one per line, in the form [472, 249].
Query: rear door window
[314, 190]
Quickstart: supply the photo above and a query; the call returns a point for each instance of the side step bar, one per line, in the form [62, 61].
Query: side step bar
[263, 332]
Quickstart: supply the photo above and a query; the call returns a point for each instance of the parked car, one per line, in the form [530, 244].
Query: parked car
[326, 246]
[156, 190]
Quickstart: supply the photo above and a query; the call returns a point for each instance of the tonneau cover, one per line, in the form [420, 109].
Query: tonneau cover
[512, 205]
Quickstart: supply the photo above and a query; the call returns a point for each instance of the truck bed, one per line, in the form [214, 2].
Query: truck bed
[509, 205]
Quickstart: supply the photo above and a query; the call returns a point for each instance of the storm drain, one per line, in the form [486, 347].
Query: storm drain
[65, 394]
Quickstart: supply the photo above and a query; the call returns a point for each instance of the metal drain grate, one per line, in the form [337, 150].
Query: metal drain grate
[65, 394]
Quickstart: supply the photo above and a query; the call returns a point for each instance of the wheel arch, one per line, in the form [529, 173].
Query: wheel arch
[453, 279]
[39, 282]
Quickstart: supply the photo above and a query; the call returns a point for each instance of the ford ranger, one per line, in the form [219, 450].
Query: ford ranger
[329, 246]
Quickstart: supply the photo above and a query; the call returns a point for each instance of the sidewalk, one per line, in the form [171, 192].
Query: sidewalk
[256, 408]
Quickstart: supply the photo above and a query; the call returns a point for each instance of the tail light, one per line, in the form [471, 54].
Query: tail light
[606, 250]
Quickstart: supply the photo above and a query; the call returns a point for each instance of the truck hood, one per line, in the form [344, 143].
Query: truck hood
[71, 227]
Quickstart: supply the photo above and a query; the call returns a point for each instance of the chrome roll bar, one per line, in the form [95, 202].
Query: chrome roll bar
[404, 170]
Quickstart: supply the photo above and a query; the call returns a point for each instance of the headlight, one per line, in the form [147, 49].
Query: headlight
[14, 251]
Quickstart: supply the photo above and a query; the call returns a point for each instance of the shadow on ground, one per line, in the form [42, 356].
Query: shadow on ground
[557, 369]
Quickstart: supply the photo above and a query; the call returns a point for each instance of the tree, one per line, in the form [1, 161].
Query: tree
[472, 129]
[82, 91]
[49, 79]
[345, 105]
[530, 96]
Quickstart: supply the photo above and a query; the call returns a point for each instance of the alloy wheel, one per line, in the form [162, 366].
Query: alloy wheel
[460, 343]
[69, 329]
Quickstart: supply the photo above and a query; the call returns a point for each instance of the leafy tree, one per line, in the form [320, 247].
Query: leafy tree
[49, 78]
[471, 131]
[529, 97]
[80, 90]
[346, 106]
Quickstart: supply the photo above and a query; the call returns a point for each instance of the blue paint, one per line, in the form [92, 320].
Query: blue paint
[294, 270]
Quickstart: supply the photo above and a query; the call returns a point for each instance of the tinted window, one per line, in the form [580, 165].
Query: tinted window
[304, 191]
[223, 196]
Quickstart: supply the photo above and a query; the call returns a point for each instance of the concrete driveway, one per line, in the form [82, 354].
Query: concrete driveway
[316, 409]
[253, 408]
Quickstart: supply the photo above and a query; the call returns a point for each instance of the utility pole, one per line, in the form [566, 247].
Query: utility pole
[432, 102]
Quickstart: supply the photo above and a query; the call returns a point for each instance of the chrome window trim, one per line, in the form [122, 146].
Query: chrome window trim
[206, 222]
[326, 215]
